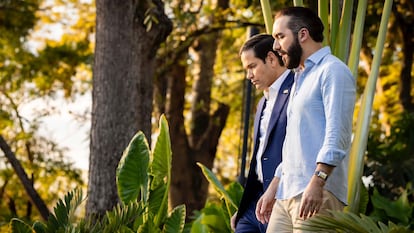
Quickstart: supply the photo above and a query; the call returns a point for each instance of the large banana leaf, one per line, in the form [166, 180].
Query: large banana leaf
[132, 172]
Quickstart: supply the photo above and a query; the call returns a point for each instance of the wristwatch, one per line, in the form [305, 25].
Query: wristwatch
[321, 175]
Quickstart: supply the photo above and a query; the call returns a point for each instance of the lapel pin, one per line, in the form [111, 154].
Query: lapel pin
[286, 91]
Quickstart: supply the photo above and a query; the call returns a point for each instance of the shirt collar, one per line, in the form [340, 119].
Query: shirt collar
[274, 88]
[315, 58]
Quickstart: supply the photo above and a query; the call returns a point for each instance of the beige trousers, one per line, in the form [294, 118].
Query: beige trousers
[285, 213]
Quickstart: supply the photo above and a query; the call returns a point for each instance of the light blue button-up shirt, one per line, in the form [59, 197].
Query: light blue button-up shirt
[319, 126]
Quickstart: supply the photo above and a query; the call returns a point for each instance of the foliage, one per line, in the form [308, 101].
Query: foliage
[350, 222]
[143, 206]
[390, 160]
[215, 216]
[34, 70]
[400, 211]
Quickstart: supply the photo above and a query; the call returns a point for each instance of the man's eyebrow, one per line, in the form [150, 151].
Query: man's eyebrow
[250, 65]
[278, 34]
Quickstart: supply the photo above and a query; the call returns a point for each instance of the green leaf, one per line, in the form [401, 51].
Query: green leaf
[156, 206]
[347, 222]
[344, 33]
[39, 227]
[148, 227]
[132, 172]
[198, 226]
[216, 219]
[161, 163]
[235, 191]
[399, 209]
[175, 222]
[122, 216]
[357, 36]
[18, 226]
[212, 179]
[63, 216]
[267, 15]
[161, 168]
[359, 143]
[324, 15]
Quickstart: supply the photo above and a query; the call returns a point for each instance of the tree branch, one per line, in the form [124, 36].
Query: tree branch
[33, 195]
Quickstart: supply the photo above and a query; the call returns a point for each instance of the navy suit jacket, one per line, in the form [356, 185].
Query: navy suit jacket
[272, 153]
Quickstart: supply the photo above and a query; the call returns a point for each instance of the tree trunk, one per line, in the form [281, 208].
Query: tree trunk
[205, 127]
[122, 90]
[405, 23]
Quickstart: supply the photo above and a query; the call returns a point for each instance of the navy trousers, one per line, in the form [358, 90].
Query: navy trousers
[248, 223]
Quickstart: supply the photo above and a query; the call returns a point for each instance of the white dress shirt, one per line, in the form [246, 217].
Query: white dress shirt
[270, 96]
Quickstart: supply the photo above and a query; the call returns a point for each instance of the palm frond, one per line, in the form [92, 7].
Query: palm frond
[122, 215]
[63, 216]
[349, 222]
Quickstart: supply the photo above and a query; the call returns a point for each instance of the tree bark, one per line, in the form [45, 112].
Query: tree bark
[122, 89]
[405, 23]
[205, 127]
[26, 182]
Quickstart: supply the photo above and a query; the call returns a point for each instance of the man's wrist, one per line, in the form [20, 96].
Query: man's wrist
[322, 175]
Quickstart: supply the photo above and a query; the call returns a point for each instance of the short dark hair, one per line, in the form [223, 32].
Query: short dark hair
[302, 17]
[261, 44]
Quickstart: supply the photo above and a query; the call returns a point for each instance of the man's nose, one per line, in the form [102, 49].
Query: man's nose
[249, 74]
[276, 45]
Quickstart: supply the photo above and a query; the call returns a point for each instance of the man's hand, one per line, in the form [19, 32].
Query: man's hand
[311, 198]
[233, 221]
[264, 208]
[265, 204]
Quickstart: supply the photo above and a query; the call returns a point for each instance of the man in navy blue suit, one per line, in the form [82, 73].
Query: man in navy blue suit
[267, 73]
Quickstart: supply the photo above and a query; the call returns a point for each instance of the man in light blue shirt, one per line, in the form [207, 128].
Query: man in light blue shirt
[312, 177]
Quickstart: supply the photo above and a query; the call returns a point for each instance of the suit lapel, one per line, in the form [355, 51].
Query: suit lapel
[256, 126]
[281, 101]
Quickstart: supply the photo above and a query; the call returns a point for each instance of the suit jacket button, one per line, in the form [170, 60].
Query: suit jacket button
[265, 158]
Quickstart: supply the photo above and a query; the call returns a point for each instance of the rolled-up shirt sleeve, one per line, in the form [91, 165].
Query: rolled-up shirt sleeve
[278, 171]
[337, 108]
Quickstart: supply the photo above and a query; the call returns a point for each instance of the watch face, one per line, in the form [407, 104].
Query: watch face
[321, 174]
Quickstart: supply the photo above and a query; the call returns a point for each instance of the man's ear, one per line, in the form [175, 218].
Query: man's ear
[271, 56]
[273, 59]
[303, 34]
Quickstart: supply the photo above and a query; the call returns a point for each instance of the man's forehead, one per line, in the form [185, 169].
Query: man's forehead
[280, 25]
[281, 21]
